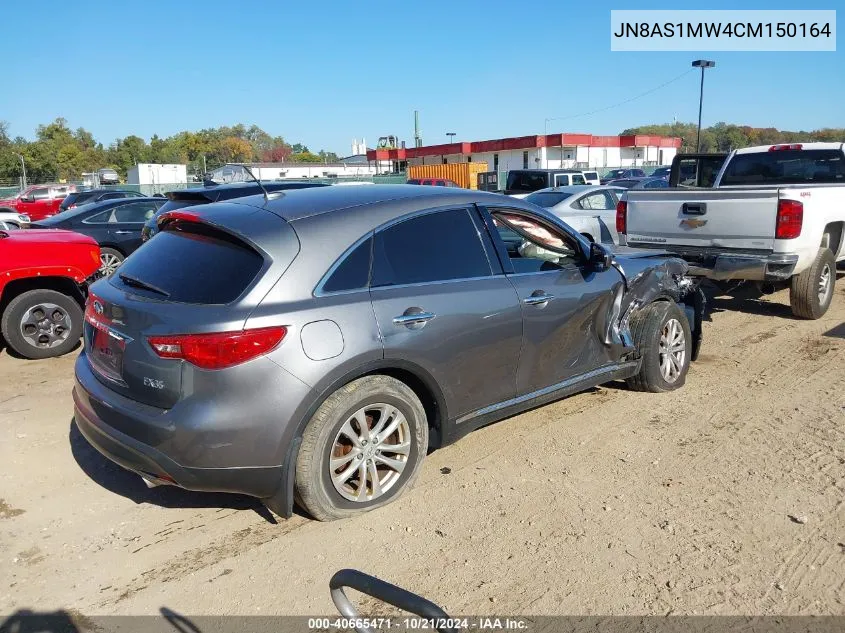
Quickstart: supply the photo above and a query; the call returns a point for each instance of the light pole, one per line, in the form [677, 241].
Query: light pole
[451, 136]
[23, 170]
[702, 64]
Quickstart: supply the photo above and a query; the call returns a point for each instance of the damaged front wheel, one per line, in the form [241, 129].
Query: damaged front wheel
[662, 336]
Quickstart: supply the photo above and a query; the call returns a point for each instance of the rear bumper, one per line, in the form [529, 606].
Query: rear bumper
[744, 267]
[93, 402]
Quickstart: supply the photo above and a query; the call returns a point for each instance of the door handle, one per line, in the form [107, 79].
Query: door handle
[122, 232]
[410, 320]
[694, 208]
[538, 298]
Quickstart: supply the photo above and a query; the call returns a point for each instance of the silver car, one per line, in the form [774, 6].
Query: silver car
[315, 344]
[12, 220]
[589, 210]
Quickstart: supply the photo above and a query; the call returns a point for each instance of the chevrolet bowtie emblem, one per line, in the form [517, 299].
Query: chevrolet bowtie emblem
[693, 223]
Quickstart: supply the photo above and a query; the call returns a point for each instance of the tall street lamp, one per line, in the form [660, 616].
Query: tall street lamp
[702, 64]
[451, 136]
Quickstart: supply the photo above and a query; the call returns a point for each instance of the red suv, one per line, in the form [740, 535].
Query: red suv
[44, 277]
[38, 201]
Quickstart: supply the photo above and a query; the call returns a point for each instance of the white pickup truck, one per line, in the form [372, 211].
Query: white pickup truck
[775, 216]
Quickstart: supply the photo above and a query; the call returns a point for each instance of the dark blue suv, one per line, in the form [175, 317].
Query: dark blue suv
[216, 193]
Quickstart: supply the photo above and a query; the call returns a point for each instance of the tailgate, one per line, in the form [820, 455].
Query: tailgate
[724, 218]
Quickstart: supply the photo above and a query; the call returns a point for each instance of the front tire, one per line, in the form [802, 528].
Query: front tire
[110, 260]
[662, 335]
[362, 448]
[42, 323]
[811, 292]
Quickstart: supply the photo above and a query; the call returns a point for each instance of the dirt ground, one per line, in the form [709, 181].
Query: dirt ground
[725, 497]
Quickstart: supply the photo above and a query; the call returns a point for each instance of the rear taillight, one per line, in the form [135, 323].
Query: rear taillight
[789, 220]
[784, 148]
[220, 349]
[172, 216]
[621, 216]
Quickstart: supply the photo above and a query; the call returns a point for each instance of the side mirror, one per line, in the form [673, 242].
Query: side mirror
[600, 257]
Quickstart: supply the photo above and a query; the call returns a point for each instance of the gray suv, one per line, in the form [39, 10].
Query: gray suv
[315, 345]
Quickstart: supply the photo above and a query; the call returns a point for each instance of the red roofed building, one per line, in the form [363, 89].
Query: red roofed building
[539, 151]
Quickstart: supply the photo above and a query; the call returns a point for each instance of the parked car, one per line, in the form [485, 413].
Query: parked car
[522, 182]
[37, 201]
[14, 220]
[695, 170]
[433, 182]
[592, 177]
[589, 210]
[640, 183]
[617, 174]
[774, 217]
[89, 196]
[44, 276]
[107, 176]
[217, 193]
[661, 172]
[320, 344]
[114, 224]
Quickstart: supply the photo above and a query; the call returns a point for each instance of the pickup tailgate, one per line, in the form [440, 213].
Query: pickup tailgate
[714, 218]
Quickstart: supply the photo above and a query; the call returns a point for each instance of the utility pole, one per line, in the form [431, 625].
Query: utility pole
[23, 171]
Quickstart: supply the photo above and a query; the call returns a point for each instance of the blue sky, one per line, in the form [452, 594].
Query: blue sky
[324, 72]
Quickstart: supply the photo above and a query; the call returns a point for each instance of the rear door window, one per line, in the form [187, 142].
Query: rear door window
[192, 265]
[578, 179]
[438, 246]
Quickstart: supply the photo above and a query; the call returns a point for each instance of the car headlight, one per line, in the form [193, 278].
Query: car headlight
[23, 217]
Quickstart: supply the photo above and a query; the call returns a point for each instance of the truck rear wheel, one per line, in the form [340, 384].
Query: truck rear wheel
[42, 324]
[811, 292]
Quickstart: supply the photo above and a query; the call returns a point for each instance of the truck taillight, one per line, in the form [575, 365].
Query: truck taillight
[220, 349]
[784, 148]
[621, 216]
[789, 219]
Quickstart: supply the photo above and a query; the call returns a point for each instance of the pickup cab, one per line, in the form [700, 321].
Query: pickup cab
[774, 216]
[37, 201]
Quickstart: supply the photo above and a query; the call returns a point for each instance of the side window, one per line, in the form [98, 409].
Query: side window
[100, 218]
[533, 246]
[40, 194]
[353, 271]
[433, 247]
[578, 179]
[134, 212]
[598, 201]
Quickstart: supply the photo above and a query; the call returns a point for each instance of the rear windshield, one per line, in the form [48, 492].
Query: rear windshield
[192, 265]
[782, 167]
[547, 198]
[527, 181]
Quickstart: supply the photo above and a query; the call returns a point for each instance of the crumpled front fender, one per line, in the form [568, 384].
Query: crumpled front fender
[651, 279]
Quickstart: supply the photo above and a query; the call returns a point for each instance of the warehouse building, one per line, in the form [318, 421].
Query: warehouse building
[553, 151]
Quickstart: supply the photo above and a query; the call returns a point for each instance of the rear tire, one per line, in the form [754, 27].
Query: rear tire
[811, 292]
[110, 259]
[380, 402]
[662, 335]
[66, 315]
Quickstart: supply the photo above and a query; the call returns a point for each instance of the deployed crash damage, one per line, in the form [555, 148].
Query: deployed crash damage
[650, 277]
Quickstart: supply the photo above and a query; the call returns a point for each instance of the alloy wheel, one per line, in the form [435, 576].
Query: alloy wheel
[672, 351]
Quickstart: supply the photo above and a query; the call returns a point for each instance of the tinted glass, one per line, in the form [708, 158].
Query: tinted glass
[353, 273]
[526, 181]
[655, 184]
[578, 179]
[99, 218]
[40, 194]
[592, 175]
[433, 247]
[547, 198]
[197, 266]
[786, 166]
[624, 183]
[134, 212]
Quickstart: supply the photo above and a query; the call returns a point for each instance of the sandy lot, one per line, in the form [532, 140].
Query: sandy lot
[723, 498]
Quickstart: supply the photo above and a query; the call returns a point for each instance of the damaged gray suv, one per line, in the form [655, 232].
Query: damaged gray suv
[316, 344]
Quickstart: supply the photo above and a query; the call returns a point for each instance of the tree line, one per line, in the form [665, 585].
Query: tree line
[61, 153]
[725, 137]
